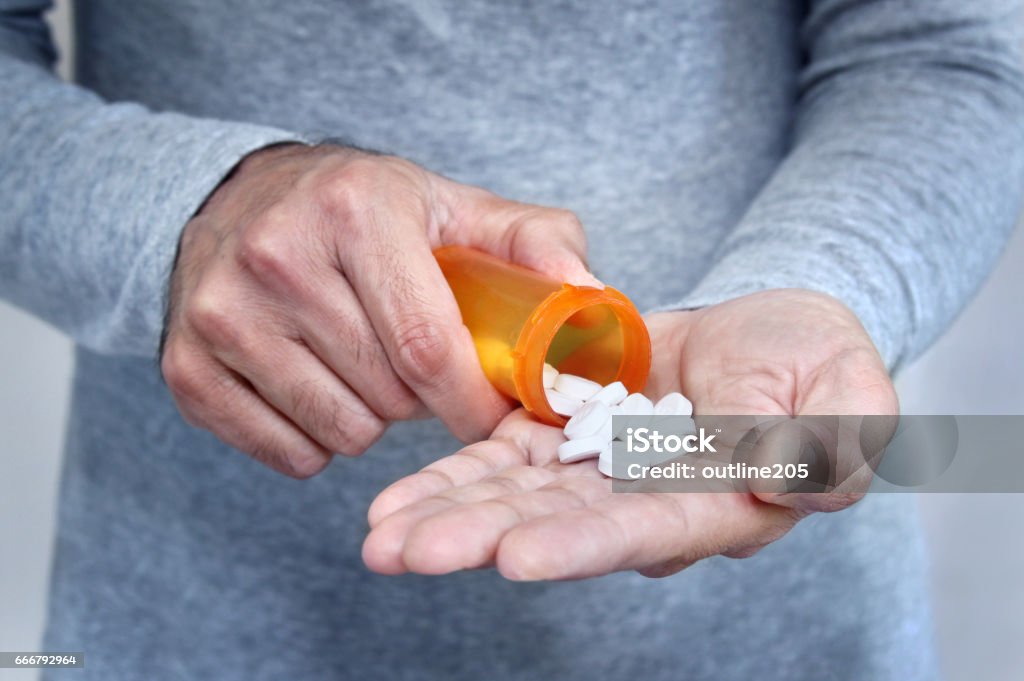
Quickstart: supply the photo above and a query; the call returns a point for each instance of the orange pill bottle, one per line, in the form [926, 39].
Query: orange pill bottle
[520, 319]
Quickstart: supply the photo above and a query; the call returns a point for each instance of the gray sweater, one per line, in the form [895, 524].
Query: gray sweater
[872, 150]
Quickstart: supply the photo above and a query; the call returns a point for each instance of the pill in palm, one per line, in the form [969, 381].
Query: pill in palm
[611, 394]
[673, 404]
[588, 420]
[591, 429]
[617, 411]
[604, 464]
[549, 376]
[637, 404]
[580, 449]
[607, 430]
[576, 386]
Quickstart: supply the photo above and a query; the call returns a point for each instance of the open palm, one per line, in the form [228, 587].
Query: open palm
[509, 503]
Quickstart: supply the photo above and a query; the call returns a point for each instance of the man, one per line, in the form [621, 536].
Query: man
[806, 192]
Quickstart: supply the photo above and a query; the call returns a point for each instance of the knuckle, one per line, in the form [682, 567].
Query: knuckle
[305, 466]
[268, 451]
[569, 220]
[332, 423]
[343, 192]
[423, 349]
[541, 220]
[572, 229]
[181, 373]
[213, 318]
[360, 436]
[402, 407]
[268, 251]
[547, 225]
[354, 436]
[192, 417]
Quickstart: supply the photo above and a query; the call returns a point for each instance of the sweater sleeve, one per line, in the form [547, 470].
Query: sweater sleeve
[95, 194]
[905, 173]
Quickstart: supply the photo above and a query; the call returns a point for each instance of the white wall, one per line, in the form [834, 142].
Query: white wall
[978, 558]
[35, 370]
[977, 554]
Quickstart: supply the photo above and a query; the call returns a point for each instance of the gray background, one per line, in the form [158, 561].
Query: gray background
[978, 557]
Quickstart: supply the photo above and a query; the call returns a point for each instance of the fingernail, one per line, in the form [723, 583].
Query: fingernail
[584, 278]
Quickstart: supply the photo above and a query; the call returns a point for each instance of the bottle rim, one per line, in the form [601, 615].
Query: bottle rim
[542, 326]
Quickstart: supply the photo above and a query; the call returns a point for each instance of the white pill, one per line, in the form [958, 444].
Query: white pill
[673, 404]
[607, 431]
[572, 451]
[550, 374]
[562, 404]
[637, 404]
[640, 411]
[588, 420]
[673, 425]
[617, 411]
[611, 394]
[604, 464]
[576, 386]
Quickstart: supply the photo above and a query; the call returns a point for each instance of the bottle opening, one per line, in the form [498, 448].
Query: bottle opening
[589, 344]
[594, 333]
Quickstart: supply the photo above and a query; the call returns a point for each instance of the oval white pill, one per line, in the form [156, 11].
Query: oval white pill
[617, 411]
[607, 431]
[587, 421]
[640, 411]
[562, 404]
[637, 404]
[673, 425]
[673, 404]
[611, 394]
[572, 451]
[604, 464]
[550, 374]
[576, 386]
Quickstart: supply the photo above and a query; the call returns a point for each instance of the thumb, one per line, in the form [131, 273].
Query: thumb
[548, 240]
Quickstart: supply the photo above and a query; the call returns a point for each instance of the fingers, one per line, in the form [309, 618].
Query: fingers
[654, 533]
[549, 240]
[393, 271]
[509, 462]
[338, 331]
[332, 250]
[294, 381]
[838, 455]
[457, 533]
[211, 396]
[468, 534]
[855, 389]
[469, 465]
[503, 502]
[518, 440]
[568, 528]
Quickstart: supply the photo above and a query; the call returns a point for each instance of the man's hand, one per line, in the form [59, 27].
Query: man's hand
[307, 310]
[508, 502]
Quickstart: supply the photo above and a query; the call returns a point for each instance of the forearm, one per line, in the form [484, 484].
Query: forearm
[95, 196]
